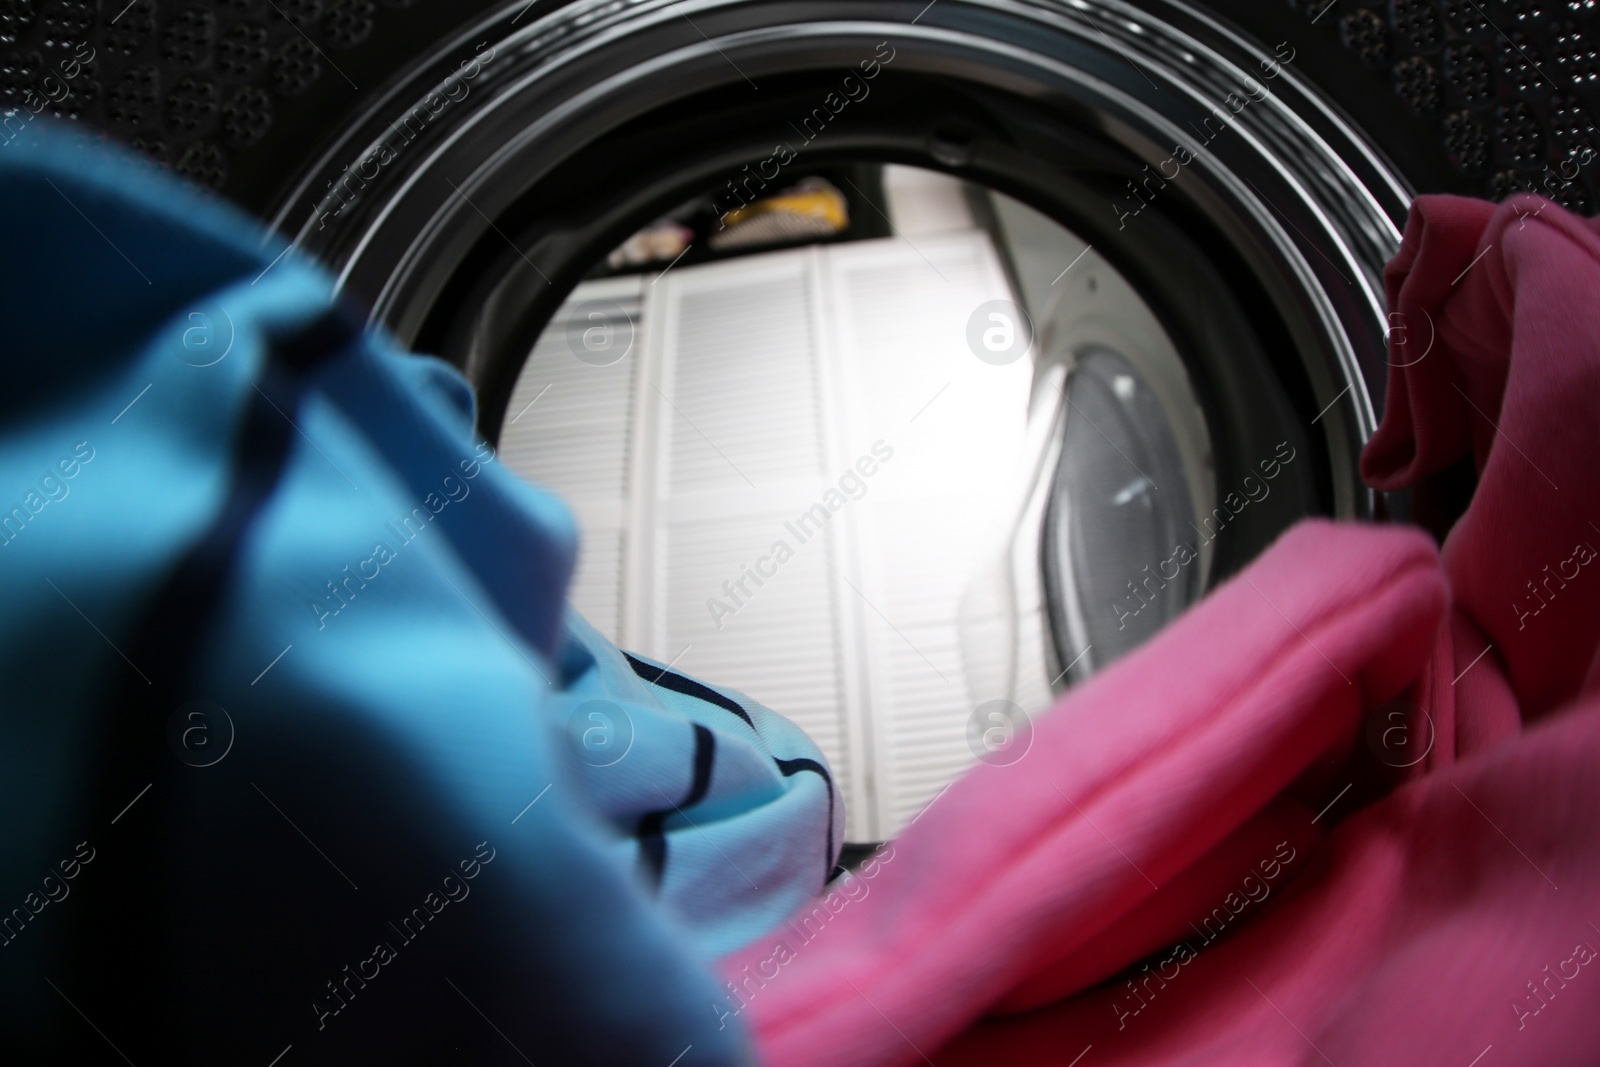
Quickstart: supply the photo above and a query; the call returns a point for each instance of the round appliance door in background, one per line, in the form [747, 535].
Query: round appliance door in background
[1118, 553]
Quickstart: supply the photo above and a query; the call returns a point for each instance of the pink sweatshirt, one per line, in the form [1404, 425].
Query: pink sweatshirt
[1345, 811]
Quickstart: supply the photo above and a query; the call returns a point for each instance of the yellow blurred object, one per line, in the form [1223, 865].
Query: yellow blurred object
[813, 208]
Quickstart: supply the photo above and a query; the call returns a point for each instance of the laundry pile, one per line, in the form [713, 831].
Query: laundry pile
[304, 756]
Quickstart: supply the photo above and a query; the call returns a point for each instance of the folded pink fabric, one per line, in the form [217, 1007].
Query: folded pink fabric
[1343, 811]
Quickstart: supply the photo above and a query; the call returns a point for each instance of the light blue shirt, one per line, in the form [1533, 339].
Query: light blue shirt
[301, 746]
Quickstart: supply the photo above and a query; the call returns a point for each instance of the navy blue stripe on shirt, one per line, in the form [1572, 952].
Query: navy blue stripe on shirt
[687, 686]
[791, 767]
[652, 845]
[167, 642]
[651, 833]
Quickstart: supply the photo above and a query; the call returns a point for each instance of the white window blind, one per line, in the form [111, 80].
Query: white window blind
[751, 387]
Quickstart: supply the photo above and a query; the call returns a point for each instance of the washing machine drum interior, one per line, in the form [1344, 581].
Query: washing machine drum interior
[903, 364]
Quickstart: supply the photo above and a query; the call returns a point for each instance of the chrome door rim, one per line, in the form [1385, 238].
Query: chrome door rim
[1138, 70]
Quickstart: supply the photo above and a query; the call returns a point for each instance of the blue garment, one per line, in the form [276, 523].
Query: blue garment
[301, 746]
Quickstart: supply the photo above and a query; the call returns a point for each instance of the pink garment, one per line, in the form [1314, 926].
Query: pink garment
[1350, 881]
